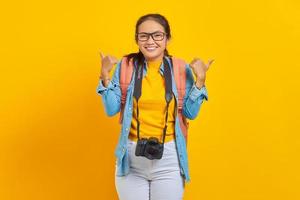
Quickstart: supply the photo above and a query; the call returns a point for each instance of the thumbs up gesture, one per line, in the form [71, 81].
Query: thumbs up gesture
[200, 68]
[107, 63]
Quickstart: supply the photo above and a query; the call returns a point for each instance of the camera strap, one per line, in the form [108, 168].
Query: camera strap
[168, 92]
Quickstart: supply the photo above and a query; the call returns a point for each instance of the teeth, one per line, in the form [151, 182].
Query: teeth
[150, 48]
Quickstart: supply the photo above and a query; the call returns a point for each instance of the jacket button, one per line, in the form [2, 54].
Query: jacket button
[126, 129]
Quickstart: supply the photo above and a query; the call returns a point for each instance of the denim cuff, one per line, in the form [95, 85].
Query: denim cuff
[196, 93]
[101, 88]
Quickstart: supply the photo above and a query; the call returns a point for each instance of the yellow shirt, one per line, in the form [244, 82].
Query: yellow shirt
[152, 107]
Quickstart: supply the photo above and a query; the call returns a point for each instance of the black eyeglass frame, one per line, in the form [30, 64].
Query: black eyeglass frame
[150, 34]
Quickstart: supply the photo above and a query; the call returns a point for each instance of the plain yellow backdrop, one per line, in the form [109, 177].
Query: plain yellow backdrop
[57, 143]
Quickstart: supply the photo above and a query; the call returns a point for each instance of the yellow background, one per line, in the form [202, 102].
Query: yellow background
[57, 143]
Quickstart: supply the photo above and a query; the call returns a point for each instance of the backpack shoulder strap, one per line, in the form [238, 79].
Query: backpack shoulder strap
[125, 78]
[180, 78]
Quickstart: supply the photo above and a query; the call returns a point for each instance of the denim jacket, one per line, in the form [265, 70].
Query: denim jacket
[111, 97]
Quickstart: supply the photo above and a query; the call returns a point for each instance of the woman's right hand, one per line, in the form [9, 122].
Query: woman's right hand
[107, 63]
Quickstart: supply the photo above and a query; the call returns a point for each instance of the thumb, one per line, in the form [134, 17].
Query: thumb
[210, 61]
[101, 55]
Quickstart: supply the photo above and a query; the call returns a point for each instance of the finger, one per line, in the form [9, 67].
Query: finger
[191, 65]
[109, 58]
[194, 60]
[102, 55]
[112, 59]
[210, 62]
[115, 60]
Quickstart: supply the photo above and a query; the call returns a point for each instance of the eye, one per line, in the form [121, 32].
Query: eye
[142, 36]
[158, 35]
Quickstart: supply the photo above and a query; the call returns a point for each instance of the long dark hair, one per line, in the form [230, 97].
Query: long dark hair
[159, 19]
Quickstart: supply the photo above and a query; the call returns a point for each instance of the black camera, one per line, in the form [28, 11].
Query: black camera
[151, 148]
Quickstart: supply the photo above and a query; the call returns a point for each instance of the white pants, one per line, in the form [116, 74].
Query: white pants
[157, 179]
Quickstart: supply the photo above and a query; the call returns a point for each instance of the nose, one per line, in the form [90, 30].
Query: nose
[150, 40]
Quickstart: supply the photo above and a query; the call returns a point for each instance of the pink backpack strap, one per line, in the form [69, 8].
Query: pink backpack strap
[180, 79]
[125, 78]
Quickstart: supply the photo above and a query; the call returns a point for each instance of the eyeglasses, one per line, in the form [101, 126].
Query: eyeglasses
[156, 36]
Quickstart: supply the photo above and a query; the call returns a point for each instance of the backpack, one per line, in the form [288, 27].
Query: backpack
[178, 66]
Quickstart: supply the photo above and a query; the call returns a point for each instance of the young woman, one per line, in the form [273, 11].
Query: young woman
[151, 154]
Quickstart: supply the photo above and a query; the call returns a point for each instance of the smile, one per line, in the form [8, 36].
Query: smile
[150, 48]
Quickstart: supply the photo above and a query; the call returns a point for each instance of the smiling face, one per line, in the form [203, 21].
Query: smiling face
[152, 49]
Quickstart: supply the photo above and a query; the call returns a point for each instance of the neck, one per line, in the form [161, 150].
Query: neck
[157, 59]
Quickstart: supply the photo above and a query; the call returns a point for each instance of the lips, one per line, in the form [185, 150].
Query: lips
[150, 48]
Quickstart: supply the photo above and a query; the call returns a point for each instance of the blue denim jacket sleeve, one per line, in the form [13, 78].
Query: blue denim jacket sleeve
[193, 96]
[111, 95]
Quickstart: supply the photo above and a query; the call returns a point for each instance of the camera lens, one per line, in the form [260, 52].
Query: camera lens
[152, 150]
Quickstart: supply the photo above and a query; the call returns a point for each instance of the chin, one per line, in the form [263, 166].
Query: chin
[150, 56]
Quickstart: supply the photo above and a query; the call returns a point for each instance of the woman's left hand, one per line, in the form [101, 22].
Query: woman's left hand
[199, 69]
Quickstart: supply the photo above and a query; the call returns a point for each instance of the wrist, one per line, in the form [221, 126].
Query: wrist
[199, 84]
[104, 78]
[105, 82]
[104, 74]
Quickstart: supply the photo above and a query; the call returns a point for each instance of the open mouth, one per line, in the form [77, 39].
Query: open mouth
[150, 49]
